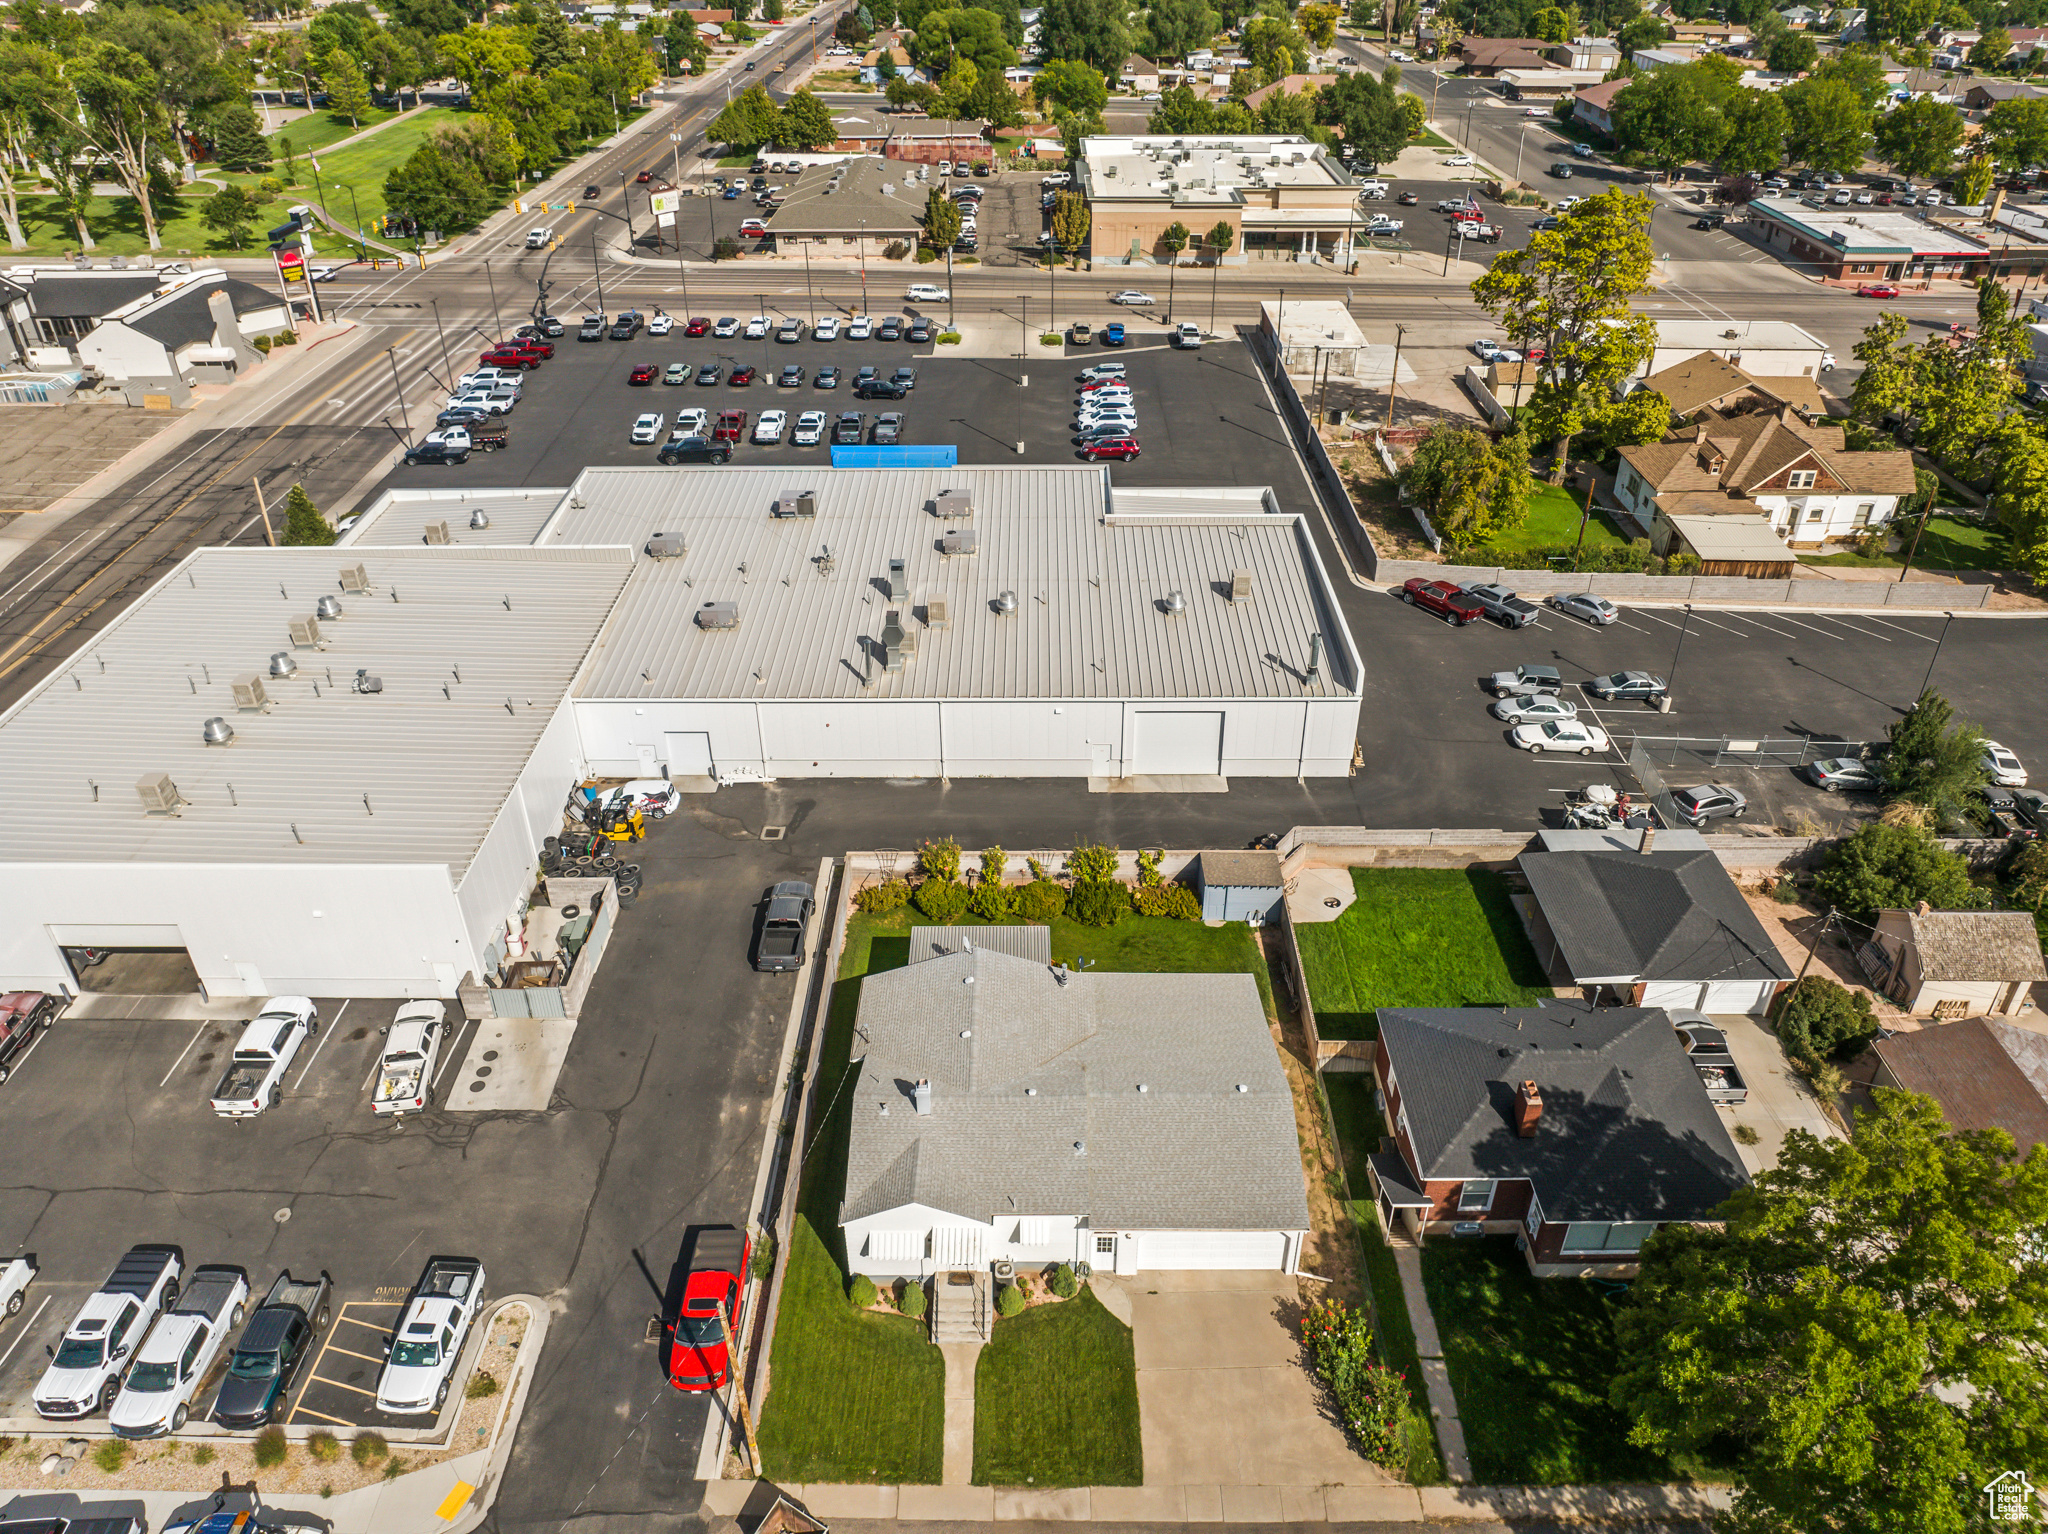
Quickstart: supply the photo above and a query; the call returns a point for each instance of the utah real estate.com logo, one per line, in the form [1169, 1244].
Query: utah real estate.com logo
[2010, 1498]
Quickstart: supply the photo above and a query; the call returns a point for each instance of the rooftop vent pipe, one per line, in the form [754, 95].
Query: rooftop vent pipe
[1006, 604]
[328, 607]
[282, 666]
[479, 519]
[921, 1096]
[217, 732]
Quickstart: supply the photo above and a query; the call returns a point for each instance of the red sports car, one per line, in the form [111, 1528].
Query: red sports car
[698, 326]
[645, 373]
[643, 178]
[1125, 448]
[1877, 290]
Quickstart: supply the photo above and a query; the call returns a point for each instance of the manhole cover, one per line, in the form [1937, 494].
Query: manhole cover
[483, 1070]
[1332, 902]
[476, 1086]
[490, 1054]
[774, 833]
[282, 1215]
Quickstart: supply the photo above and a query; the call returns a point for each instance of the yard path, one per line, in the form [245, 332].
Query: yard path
[961, 1359]
[1443, 1405]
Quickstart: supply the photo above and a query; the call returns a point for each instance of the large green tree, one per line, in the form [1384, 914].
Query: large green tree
[1071, 87]
[1756, 133]
[1671, 119]
[748, 120]
[1473, 487]
[1176, 28]
[1793, 54]
[1827, 126]
[941, 219]
[1093, 30]
[33, 100]
[1893, 868]
[440, 190]
[2016, 132]
[230, 212]
[2022, 501]
[1935, 759]
[1866, 1331]
[125, 123]
[807, 122]
[1919, 137]
[348, 92]
[1368, 112]
[238, 141]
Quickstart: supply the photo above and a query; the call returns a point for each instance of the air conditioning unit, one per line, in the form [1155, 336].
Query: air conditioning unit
[718, 615]
[954, 503]
[355, 578]
[159, 794]
[306, 633]
[961, 540]
[666, 546]
[797, 503]
[1240, 586]
[437, 532]
[937, 614]
[250, 697]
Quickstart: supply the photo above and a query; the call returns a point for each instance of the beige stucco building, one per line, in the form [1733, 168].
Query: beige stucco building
[1281, 194]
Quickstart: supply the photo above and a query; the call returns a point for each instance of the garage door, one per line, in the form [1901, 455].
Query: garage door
[689, 753]
[1671, 993]
[1736, 996]
[1246, 1250]
[1179, 744]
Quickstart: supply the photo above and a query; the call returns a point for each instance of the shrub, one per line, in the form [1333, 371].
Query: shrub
[271, 1448]
[763, 1262]
[1098, 902]
[861, 1291]
[950, 337]
[1148, 869]
[1893, 868]
[1037, 868]
[726, 249]
[1010, 1301]
[325, 1447]
[113, 1454]
[940, 860]
[270, 186]
[394, 1468]
[1040, 901]
[1063, 1283]
[1873, 543]
[892, 895]
[1052, 338]
[368, 1448]
[911, 1301]
[1175, 900]
[203, 1454]
[943, 900]
[1683, 562]
[926, 255]
[1096, 862]
[287, 338]
[262, 344]
[1785, 890]
[1818, 1018]
[1745, 1134]
[895, 250]
[1371, 1398]
[993, 902]
[481, 1386]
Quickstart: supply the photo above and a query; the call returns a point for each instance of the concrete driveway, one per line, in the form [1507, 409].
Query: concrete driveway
[1779, 1098]
[1224, 1397]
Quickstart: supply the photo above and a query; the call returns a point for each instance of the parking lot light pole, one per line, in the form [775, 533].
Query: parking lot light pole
[497, 319]
[626, 197]
[444, 342]
[399, 384]
[1671, 680]
[1522, 143]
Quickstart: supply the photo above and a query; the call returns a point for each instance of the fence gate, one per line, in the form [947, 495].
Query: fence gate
[1748, 751]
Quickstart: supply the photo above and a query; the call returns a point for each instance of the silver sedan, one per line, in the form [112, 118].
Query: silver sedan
[1584, 605]
[1534, 710]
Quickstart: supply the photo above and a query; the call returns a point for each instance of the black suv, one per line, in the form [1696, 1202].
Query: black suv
[847, 429]
[436, 452]
[694, 450]
[880, 388]
[592, 328]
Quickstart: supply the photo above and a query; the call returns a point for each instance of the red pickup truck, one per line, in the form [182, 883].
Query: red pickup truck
[537, 344]
[1447, 601]
[731, 427]
[511, 357]
[710, 1309]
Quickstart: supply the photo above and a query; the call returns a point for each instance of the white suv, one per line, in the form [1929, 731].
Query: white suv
[926, 293]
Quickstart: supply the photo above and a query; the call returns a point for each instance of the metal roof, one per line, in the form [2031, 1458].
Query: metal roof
[399, 518]
[1090, 590]
[436, 766]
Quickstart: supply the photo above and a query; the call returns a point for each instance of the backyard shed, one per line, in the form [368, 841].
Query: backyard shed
[1240, 886]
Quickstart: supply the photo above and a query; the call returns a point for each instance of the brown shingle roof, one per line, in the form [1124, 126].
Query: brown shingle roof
[1976, 945]
[1698, 382]
[1756, 446]
[1985, 1075]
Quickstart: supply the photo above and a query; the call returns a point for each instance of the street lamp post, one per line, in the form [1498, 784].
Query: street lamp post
[1522, 143]
[444, 340]
[497, 319]
[1215, 270]
[596, 269]
[362, 245]
[1394, 376]
[626, 197]
[675, 141]
[810, 299]
[398, 384]
[1671, 680]
[1946, 620]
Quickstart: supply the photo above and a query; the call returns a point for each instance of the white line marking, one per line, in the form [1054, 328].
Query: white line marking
[25, 1328]
[34, 1045]
[1873, 633]
[181, 1056]
[1699, 617]
[1656, 618]
[1824, 633]
[446, 1055]
[1899, 626]
[1753, 618]
[325, 1034]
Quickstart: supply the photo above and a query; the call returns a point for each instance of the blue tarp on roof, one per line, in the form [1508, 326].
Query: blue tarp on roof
[907, 456]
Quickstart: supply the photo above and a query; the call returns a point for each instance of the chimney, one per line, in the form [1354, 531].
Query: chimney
[1528, 1110]
[921, 1096]
[1649, 840]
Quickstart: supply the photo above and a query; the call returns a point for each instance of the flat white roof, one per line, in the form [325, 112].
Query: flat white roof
[1732, 537]
[1313, 322]
[512, 518]
[1726, 335]
[1868, 229]
[477, 648]
[1197, 165]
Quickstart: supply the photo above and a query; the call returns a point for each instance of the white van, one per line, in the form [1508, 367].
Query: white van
[925, 293]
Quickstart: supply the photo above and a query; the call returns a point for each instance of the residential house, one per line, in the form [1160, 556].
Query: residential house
[1799, 18]
[1708, 383]
[1593, 105]
[1139, 75]
[1955, 963]
[1546, 84]
[841, 207]
[1601, 53]
[871, 65]
[1798, 474]
[1712, 33]
[1851, 23]
[1984, 1074]
[1579, 1131]
[2027, 41]
[1662, 926]
[1288, 85]
[1980, 96]
[1008, 1109]
[1282, 194]
[1488, 56]
[1957, 39]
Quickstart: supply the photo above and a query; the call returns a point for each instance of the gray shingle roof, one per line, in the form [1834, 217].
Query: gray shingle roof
[77, 294]
[1671, 915]
[840, 197]
[1019, 941]
[185, 317]
[1627, 1132]
[1241, 870]
[1045, 1066]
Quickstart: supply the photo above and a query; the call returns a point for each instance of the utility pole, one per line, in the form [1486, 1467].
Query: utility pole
[399, 384]
[1946, 620]
[1394, 375]
[1585, 516]
[269, 535]
[863, 267]
[1914, 547]
[497, 319]
[444, 343]
[626, 197]
[1671, 679]
[734, 1346]
[597, 270]
[1818, 933]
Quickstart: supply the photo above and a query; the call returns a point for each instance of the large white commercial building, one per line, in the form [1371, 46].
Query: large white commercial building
[712, 624]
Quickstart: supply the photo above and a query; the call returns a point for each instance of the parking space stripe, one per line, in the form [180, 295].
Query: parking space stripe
[339, 1421]
[26, 1327]
[1873, 633]
[1824, 633]
[181, 1056]
[1654, 618]
[321, 1379]
[352, 1353]
[325, 1034]
[1753, 618]
[1899, 626]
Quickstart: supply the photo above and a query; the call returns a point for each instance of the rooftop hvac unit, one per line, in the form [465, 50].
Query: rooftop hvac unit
[954, 503]
[250, 697]
[899, 585]
[894, 642]
[355, 578]
[305, 633]
[797, 503]
[327, 607]
[667, 546]
[937, 614]
[718, 615]
[437, 532]
[479, 519]
[283, 667]
[217, 732]
[1240, 585]
[961, 540]
[159, 794]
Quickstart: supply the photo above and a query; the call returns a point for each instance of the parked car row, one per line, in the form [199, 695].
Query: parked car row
[254, 1079]
[1460, 605]
[1106, 414]
[697, 437]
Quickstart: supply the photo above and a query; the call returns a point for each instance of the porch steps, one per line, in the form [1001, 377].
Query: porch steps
[960, 1310]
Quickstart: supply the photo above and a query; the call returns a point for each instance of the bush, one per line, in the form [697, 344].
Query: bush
[1040, 901]
[926, 255]
[944, 901]
[895, 250]
[270, 186]
[1785, 890]
[763, 1262]
[1818, 1018]
[1099, 902]
[1884, 868]
[1052, 338]
[368, 1448]
[481, 1386]
[861, 1291]
[262, 344]
[1745, 1134]
[993, 902]
[287, 338]
[1148, 869]
[113, 1454]
[911, 1301]
[1096, 862]
[1371, 1398]
[1063, 1283]
[1174, 900]
[325, 1447]
[950, 337]
[1683, 562]
[1873, 543]
[203, 1454]
[1010, 1301]
[727, 249]
[271, 1448]
[940, 860]
[891, 895]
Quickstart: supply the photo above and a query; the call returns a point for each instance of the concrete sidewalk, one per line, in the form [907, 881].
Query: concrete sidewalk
[1443, 1404]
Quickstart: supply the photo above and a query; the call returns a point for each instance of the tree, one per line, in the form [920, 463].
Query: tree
[1935, 759]
[1092, 30]
[1318, 23]
[238, 141]
[437, 191]
[1865, 1329]
[1275, 48]
[1670, 119]
[1990, 50]
[2016, 132]
[477, 56]
[1642, 32]
[230, 212]
[946, 36]
[748, 120]
[1643, 415]
[1862, 69]
[1219, 240]
[1818, 1019]
[1919, 137]
[553, 45]
[1973, 182]
[957, 86]
[33, 97]
[304, 527]
[125, 124]
[2022, 502]
[1893, 868]
[1176, 28]
[1174, 239]
[1472, 487]
[1369, 112]
[1286, 112]
[852, 31]
[1756, 133]
[941, 220]
[771, 10]
[1826, 124]
[192, 59]
[1070, 222]
[1571, 290]
[348, 93]
[993, 102]
[806, 122]
[1896, 20]
[1552, 24]
[1793, 54]
[1073, 87]
[904, 92]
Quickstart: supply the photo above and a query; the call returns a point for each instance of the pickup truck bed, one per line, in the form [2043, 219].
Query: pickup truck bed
[448, 1278]
[306, 1293]
[210, 1290]
[241, 1083]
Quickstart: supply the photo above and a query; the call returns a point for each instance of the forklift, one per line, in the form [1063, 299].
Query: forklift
[615, 817]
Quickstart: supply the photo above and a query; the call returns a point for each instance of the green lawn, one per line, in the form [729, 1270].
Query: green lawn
[1056, 1400]
[1418, 937]
[1529, 1360]
[1429, 140]
[315, 132]
[1950, 543]
[1553, 523]
[363, 167]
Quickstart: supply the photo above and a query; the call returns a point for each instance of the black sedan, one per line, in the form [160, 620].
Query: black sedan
[880, 388]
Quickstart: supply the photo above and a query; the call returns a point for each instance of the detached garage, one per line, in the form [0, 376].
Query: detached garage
[1005, 1109]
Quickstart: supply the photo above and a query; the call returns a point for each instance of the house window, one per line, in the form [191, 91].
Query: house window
[1815, 513]
[1105, 1246]
[1475, 1197]
[1534, 1221]
[1801, 479]
[1863, 513]
[1618, 1239]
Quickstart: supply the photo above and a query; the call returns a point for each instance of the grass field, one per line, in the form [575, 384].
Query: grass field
[1056, 1400]
[361, 168]
[1529, 1360]
[314, 132]
[1553, 523]
[1950, 543]
[1418, 937]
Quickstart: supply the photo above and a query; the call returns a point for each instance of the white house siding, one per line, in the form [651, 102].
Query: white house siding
[501, 873]
[1804, 519]
[912, 1241]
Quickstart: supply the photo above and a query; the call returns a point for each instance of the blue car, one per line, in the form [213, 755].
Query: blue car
[1113, 333]
[730, 193]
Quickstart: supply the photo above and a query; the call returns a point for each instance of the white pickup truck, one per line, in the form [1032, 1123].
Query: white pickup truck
[422, 1350]
[254, 1079]
[85, 1368]
[14, 1281]
[180, 1353]
[405, 1076]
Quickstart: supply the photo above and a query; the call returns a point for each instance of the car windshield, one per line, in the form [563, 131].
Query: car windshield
[81, 1353]
[254, 1366]
[152, 1379]
[699, 1330]
[1555, 728]
[415, 1355]
[1840, 764]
